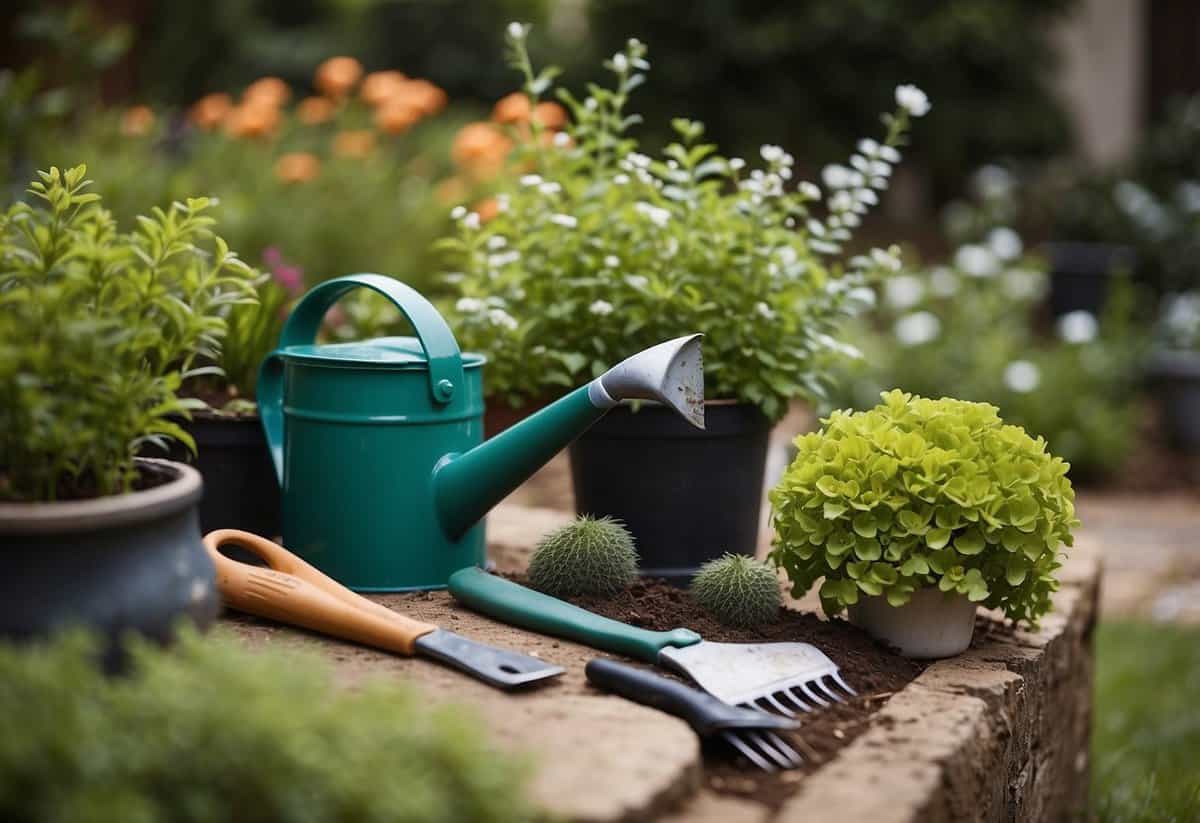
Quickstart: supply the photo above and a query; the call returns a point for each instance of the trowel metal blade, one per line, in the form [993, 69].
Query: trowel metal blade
[498, 667]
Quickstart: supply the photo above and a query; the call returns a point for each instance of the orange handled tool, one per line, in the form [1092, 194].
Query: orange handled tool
[291, 591]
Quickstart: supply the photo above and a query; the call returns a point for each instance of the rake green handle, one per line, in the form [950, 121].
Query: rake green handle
[518, 606]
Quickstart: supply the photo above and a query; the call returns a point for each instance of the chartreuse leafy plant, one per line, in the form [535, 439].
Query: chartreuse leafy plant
[918, 493]
[596, 250]
[98, 329]
[738, 590]
[210, 732]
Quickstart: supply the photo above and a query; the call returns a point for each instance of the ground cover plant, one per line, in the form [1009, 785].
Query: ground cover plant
[591, 250]
[98, 330]
[207, 732]
[918, 493]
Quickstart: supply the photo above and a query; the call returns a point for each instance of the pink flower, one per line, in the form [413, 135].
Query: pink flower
[290, 277]
[271, 256]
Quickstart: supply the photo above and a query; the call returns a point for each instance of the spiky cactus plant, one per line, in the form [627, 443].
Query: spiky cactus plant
[738, 590]
[589, 556]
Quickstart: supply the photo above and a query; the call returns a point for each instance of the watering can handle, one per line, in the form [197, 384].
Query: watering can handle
[302, 325]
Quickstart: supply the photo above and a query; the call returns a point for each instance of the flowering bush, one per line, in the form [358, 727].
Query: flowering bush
[97, 331]
[968, 329]
[594, 250]
[918, 493]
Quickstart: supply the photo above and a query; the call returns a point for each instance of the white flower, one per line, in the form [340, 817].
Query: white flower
[889, 154]
[621, 179]
[638, 161]
[1023, 284]
[590, 104]
[868, 147]
[620, 62]
[903, 291]
[917, 328]
[1078, 326]
[657, 216]
[809, 190]
[851, 220]
[468, 305]
[564, 220]
[550, 188]
[601, 308]
[887, 258]
[977, 261]
[562, 139]
[816, 228]
[943, 282]
[861, 163]
[499, 317]
[502, 202]
[841, 201]
[637, 281]
[913, 100]
[499, 261]
[837, 177]
[1005, 243]
[737, 164]
[880, 169]
[496, 242]
[992, 182]
[1022, 376]
[866, 196]
[612, 261]
[458, 212]
[530, 180]
[471, 221]
[764, 311]
[769, 153]
[516, 31]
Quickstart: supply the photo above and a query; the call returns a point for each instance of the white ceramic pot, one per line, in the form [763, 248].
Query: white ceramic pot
[932, 624]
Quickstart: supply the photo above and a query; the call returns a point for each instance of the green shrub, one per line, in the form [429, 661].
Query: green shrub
[598, 251]
[738, 590]
[919, 493]
[209, 732]
[589, 556]
[97, 331]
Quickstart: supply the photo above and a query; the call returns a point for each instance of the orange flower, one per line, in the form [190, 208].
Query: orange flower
[379, 86]
[137, 121]
[313, 111]
[252, 119]
[452, 190]
[210, 110]
[396, 115]
[425, 95]
[269, 91]
[480, 149]
[356, 143]
[338, 75]
[486, 209]
[550, 114]
[513, 108]
[297, 167]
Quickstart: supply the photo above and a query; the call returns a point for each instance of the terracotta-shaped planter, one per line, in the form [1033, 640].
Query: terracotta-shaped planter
[932, 624]
[123, 563]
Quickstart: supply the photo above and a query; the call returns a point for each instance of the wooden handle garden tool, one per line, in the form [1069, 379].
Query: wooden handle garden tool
[291, 591]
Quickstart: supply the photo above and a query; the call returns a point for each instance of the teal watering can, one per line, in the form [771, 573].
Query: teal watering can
[379, 444]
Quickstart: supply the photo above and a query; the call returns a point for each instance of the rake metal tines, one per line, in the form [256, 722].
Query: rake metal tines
[767, 750]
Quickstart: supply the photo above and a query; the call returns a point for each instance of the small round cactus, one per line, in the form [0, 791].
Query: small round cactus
[589, 556]
[738, 591]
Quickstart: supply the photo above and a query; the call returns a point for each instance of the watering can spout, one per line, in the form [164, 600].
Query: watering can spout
[468, 485]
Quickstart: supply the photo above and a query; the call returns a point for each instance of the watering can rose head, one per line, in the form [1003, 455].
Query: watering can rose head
[918, 493]
[379, 444]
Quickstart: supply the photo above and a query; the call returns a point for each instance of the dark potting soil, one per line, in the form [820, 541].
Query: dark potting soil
[870, 668]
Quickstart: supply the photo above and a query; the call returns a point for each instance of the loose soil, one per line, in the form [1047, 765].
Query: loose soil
[873, 670]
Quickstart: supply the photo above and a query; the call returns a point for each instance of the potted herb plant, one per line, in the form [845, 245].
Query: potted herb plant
[917, 510]
[98, 329]
[595, 250]
[1175, 369]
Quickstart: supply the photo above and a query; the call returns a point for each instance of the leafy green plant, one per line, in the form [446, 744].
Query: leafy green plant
[97, 331]
[919, 493]
[738, 590]
[597, 251]
[588, 556]
[277, 741]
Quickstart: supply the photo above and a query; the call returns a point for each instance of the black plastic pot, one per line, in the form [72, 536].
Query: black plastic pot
[1081, 273]
[241, 490]
[1175, 376]
[124, 563]
[686, 495]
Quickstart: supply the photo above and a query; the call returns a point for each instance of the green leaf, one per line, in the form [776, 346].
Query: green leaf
[937, 538]
[970, 542]
[864, 525]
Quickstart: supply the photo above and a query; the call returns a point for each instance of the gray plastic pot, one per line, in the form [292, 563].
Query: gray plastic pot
[123, 563]
[1176, 379]
[932, 624]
